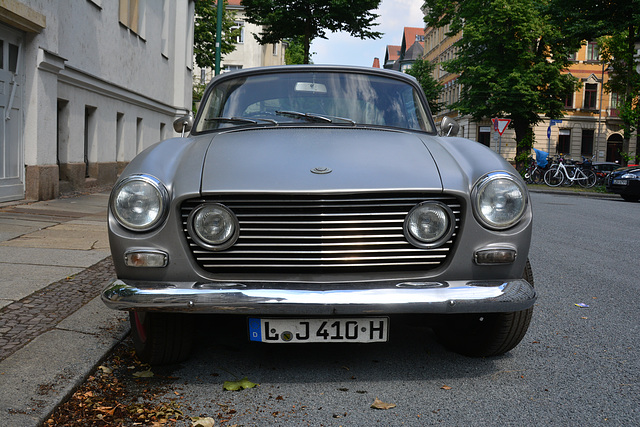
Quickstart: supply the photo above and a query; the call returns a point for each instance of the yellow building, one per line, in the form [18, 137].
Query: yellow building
[590, 126]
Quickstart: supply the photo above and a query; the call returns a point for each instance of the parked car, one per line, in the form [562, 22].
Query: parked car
[625, 182]
[603, 169]
[318, 202]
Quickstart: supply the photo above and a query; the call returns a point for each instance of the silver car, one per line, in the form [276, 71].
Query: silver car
[318, 202]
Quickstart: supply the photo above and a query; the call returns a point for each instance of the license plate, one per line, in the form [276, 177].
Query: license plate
[620, 182]
[279, 330]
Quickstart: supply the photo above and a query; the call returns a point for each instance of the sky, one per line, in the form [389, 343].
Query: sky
[343, 49]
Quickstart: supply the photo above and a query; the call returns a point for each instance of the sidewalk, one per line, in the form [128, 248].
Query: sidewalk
[54, 261]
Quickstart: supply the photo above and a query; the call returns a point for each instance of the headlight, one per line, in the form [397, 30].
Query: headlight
[429, 224]
[213, 226]
[499, 200]
[628, 176]
[139, 202]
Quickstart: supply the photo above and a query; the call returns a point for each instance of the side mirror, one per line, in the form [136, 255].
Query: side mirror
[449, 127]
[183, 124]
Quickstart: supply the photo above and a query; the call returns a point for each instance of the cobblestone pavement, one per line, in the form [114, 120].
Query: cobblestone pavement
[23, 320]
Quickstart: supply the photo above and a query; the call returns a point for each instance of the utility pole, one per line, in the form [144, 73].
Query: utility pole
[219, 36]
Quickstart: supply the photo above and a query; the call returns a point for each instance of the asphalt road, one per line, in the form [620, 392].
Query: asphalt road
[576, 366]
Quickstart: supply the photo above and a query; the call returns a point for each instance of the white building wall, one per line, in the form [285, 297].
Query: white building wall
[248, 53]
[132, 83]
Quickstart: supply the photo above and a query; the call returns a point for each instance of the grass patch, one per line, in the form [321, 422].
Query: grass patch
[574, 188]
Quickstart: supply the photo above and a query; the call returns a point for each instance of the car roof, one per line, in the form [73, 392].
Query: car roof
[278, 69]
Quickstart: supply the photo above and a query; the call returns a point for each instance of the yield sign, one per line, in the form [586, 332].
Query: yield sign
[500, 125]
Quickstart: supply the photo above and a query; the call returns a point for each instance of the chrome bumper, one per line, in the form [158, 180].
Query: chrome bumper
[405, 297]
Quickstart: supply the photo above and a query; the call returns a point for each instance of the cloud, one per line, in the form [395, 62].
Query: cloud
[342, 49]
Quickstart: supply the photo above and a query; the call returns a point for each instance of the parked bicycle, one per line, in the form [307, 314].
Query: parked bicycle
[567, 173]
[535, 170]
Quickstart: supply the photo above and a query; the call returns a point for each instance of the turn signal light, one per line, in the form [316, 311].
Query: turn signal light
[153, 259]
[495, 256]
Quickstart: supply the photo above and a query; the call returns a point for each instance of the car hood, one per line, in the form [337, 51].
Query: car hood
[309, 159]
[635, 170]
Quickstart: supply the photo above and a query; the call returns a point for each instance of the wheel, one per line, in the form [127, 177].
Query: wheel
[589, 180]
[630, 198]
[536, 176]
[485, 334]
[553, 177]
[161, 338]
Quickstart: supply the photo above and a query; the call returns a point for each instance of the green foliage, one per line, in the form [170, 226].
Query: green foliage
[204, 33]
[626, 158]
[422, 70]
[510, 59]
[287, 19]
[618, 51]
[616, 26]
[295, 51]
[524, 148]
[196, 96]
[238, 385]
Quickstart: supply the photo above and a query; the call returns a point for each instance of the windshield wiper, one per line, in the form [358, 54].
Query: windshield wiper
[312, 117]
[240, 120]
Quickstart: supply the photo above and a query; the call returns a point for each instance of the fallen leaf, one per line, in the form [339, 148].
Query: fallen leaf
[107, 410]
[238, 385]
[202, 422]
[445, 387]
[143, 374]
[379, 404]
[105, 370]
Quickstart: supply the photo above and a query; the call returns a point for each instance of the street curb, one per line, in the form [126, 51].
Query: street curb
[44, 373]
[593, 195]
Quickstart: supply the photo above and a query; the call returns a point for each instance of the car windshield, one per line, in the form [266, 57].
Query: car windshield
[313, 97]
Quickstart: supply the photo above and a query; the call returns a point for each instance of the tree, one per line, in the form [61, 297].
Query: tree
[618, 52]
[286, 19]
[295, 51]
[422, 70]
[615, 24]
[204, 33]
[510, 59]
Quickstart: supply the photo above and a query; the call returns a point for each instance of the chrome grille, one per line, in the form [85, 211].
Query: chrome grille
[321, 234]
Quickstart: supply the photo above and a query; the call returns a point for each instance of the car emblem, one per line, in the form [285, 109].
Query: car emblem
[321, 170]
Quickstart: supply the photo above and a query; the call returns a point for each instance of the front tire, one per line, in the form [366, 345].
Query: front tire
[161, 338]
[536, 176]
[630, 198]
[589, 180]
[485, 334]
[553, 177]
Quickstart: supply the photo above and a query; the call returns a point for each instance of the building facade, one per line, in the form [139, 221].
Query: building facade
[85, 85]
[248, 52]
[400, 58]
[590, 126]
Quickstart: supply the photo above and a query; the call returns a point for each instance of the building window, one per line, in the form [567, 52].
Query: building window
[564, 142]
[129, 10]
[615, 99]
[230, 68]
[587, 142]
[590, 96]
[573, 56]
[274, 50]
[239, 28]
[568, 101]
[592, 51]
[484, 135]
